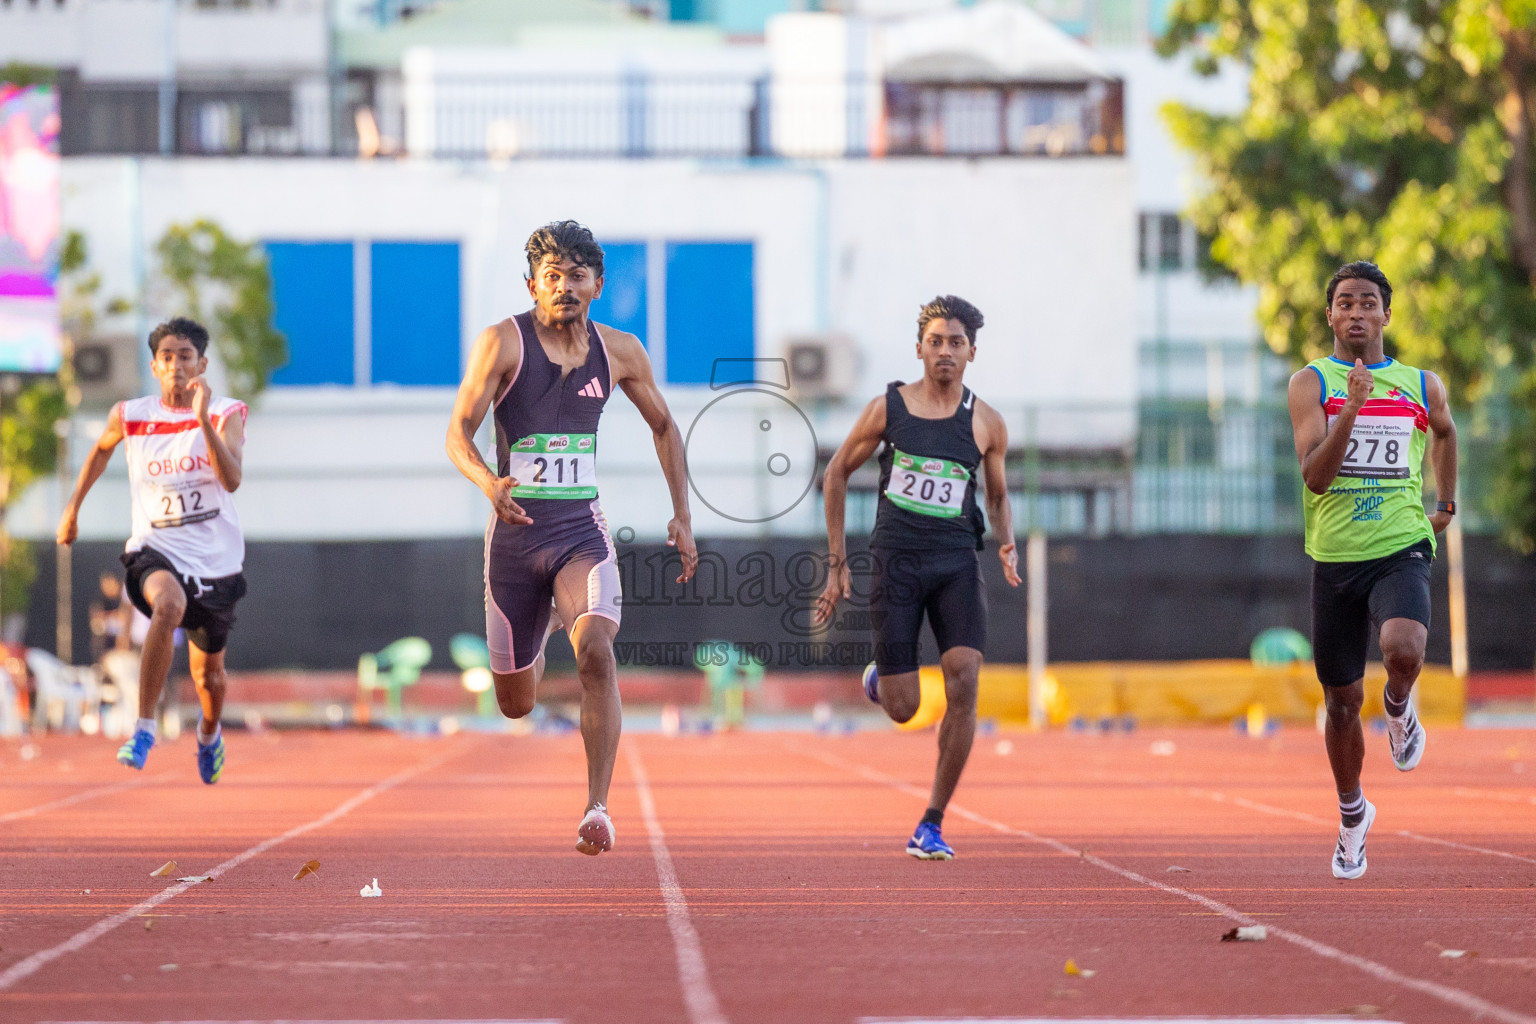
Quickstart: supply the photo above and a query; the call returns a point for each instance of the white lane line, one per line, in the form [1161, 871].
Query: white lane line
[89, 794]
[23, 969]
[1514, 798]
[1281, 812]
[1473, 1004]
[1116, 1020]
[703, 1007]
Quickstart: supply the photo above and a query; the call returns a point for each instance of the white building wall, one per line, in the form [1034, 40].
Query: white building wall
[129, 40]
[1043, 247]
[1177, 304]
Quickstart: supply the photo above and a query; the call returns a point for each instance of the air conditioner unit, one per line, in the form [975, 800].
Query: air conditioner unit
[107, 370]
[823, 367]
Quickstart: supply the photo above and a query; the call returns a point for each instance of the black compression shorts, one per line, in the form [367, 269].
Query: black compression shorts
[210, 602]
[1349, 598]
[944, 584]
[572, 564]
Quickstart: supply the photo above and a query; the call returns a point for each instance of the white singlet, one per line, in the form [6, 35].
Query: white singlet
[179, 507]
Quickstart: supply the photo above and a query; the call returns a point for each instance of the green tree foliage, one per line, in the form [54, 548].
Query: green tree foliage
[225, 284]
[1399, 131]
[29, 448]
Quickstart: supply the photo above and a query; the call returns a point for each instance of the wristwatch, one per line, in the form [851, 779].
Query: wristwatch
[1446, 506]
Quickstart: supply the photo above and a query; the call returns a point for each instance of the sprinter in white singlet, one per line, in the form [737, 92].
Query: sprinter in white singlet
[184, 558]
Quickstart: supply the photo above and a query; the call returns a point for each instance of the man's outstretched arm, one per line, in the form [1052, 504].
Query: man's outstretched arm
[1442, 449]
[95, 465]
[855, 450]
[995, 479]
[632, 372]
[493, 361]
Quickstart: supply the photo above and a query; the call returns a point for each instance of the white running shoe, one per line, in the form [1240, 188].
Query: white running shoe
[1406, 737]
[1349, 855]
[595, 833]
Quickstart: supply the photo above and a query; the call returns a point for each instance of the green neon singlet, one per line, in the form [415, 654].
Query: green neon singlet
[1375, 506]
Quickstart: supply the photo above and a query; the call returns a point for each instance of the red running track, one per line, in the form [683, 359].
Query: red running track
[760, 877]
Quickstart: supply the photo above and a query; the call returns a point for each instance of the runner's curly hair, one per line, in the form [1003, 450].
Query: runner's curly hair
[180, 327]
[564, 240]
[1362, 270]
[951, 307]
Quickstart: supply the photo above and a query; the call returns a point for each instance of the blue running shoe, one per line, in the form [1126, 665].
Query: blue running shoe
[927, 843]
[136, 751]
[872, 683]
[210, 759]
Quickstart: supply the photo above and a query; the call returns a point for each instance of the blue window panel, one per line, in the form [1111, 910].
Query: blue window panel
[623, 303]
[312, 306]
[415, 313]
[710, 309]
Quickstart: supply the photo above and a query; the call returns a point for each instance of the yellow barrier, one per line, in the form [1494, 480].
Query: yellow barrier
[1179, 692]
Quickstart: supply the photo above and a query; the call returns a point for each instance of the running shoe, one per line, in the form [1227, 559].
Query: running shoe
[872, 683]
[136, 750]
[1349, 855]
[1406, 737]
[210, 759]
[595, 833]
[927, 843]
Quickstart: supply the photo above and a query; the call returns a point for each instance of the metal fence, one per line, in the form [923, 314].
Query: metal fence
[621, 115]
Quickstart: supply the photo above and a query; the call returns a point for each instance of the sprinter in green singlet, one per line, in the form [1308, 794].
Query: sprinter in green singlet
[937, 440]
[1362, 423]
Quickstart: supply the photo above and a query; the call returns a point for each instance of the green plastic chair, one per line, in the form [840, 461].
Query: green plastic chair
[728, 682]
[469, 651]
[393, 669]
[1280, 646]
[470, 654]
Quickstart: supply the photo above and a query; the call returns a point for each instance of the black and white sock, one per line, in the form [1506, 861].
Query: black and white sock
[1352, 807]
[1397, 709]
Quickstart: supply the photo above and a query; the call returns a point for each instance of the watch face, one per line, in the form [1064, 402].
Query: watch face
[751, 455]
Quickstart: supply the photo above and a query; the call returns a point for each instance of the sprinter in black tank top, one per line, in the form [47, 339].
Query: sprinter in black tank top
[548, 373]
[938, 439]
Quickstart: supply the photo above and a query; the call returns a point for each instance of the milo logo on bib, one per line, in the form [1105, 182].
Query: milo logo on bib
[554, 466]
[930, 487]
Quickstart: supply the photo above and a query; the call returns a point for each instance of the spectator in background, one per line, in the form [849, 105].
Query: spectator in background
[109, 618]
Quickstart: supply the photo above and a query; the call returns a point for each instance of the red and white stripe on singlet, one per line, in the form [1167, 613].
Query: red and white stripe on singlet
[179, 507]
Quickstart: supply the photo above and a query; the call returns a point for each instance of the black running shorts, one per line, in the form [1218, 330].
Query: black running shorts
[944, 584]
[1349, 598]
[210, 602]
[572, 564]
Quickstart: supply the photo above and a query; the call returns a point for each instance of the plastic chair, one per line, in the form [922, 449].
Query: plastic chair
[64, 692]
[393, 669]
[10, 708]
[122, 690]
[730, 672]
[470, 653]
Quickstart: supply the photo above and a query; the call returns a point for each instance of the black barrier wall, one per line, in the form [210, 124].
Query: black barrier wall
[318, 605]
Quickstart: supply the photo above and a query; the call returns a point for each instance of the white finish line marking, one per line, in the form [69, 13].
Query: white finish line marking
[703, 1007]
[89, 794]
[1281, 812]
[1119, 1020]
[1473, 1004]
[23, 969]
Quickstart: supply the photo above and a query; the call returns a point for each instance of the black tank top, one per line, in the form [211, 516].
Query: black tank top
[540, 402]
[938, 466]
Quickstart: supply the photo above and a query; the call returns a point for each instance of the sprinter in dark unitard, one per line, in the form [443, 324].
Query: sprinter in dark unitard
[938, 439]
[546, 375]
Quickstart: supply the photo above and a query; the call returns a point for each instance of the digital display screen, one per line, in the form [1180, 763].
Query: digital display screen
[29, 229]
